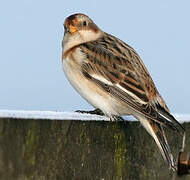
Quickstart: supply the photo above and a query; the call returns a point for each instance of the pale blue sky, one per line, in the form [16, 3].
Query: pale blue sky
[31, 32]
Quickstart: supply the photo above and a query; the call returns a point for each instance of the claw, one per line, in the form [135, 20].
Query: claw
[96, 111]
[116, 118]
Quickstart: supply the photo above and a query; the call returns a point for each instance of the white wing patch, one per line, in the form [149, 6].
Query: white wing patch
[102, 79]
[131, 94]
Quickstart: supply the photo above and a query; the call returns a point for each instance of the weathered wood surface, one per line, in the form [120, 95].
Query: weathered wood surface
[58, 150]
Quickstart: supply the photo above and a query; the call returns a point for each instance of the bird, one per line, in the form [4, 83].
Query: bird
[110, 75]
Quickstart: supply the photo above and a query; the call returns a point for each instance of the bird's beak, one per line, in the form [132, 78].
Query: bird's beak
[72, 29]
[68, 26]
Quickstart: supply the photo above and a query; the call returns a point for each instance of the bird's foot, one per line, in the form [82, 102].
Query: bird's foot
[96, 111]
[116, 118]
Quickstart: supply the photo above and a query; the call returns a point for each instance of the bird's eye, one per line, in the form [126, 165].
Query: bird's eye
[84, 23]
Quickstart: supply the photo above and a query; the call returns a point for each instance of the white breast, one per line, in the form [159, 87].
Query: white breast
[88, 89]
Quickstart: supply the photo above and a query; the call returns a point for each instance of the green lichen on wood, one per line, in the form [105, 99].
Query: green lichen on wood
[32, 143]
[120, 151]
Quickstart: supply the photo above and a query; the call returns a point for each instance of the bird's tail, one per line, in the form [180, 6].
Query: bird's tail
[160, 138]
[157, 132]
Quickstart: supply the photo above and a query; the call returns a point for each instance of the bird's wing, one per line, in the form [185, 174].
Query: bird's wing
[118, 69]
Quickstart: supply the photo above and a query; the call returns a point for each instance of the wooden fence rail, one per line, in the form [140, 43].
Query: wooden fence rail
[74, 149]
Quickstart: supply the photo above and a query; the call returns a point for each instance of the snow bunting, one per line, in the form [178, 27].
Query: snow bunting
[111, 76]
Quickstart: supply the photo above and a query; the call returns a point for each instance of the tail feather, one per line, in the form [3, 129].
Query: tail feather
[157, 132]
[161, 141]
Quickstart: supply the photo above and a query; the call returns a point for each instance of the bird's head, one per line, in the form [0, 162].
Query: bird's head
[77, 23]
[79, 29]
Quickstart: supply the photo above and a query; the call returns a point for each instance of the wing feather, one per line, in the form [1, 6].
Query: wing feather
[121, 72]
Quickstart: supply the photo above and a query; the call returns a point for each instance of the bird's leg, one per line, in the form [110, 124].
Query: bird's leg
[96, 111]
[116, 118]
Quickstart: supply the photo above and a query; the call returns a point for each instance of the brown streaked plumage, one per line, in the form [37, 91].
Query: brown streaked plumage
[111, 76]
